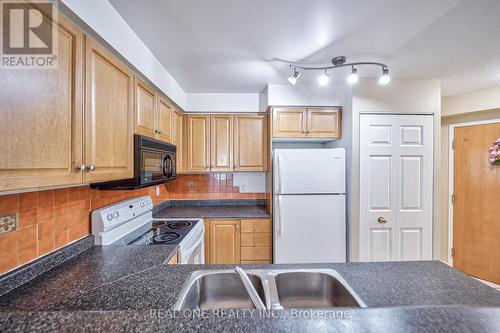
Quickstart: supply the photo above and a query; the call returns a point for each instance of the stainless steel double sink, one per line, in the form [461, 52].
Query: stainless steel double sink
[278, 289]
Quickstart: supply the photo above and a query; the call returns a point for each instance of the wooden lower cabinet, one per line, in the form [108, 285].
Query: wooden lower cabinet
[230, 241]
[173, 260]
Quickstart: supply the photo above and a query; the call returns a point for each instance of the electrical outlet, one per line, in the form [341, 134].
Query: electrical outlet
[8, 223]
[157, 190]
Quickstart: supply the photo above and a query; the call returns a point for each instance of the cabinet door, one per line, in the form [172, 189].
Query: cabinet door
[109, 116]
[198, 143]
[250, 143]
[323, 123]
[289, 123]
[41, 119]
[163, 120]
[177, 139]
[224, 242]
[145, 100]
[221, 142]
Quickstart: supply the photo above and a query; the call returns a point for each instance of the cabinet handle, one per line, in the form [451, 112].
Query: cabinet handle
[82, 167]
[91, 167]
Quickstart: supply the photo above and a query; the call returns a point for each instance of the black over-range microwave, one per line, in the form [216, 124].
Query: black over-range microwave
[154, 163]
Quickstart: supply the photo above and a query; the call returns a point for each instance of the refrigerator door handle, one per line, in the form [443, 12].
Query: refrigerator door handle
[278, 178]
[278, 215]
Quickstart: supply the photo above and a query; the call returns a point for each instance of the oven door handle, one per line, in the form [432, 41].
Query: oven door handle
[188, 252]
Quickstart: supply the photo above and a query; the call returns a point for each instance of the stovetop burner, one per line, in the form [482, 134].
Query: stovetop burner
[179, 224]
[165, 237]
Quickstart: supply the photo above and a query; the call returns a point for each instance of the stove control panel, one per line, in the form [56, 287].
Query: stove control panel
[110, 217]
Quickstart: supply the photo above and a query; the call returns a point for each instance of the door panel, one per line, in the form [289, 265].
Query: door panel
[224, 241]
[323, 123]
[42, 119]
[289, 123]
[396, 186]
[109, 116]
[163, 120]
[250, 143]
[221, 142]
[309, 229]
[476, 210]
[198, 142]
[145, 109]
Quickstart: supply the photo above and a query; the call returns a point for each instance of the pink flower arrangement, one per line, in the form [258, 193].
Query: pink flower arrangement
[495, 152]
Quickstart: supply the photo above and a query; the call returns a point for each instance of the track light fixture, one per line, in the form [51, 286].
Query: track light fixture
[339, 62]
[293, 79]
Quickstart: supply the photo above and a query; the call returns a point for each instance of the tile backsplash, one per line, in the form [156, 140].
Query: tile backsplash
[48, 220]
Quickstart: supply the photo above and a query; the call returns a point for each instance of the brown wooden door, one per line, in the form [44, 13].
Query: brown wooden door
[476, 210]
[42, 117]
[221, 142]
[177, 138]
[145, 100]
[109, 116]
[323, 123]
[224, 242]
[198, 143]
[289, 123]
[250, 143]
[163, 120]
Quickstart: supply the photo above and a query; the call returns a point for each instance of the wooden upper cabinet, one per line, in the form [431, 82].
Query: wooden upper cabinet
[224, 245]
[198, 143]
[145, 112]
[177, 138]
[307, 122]
[323, 123]
[250, 142]
[109, 116]
[163, 120]
[289, 123]
[221, 143]
[41, 119]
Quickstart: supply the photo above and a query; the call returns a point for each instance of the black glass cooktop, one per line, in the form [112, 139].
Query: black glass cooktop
[158, 232]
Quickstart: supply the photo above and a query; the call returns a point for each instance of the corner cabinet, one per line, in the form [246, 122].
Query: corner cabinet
[109, 116]
[42, 119]
[321, 123]
[178, 138]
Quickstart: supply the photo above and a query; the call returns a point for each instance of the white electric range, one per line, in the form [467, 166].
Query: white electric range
[131, 222]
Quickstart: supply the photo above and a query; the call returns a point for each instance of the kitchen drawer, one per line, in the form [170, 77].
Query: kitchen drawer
[249, 253]
[256, 225]
[256, 239]
[256, 262]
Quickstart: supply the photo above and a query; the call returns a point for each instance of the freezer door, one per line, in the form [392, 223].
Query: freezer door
[309, 171]
[309, 229]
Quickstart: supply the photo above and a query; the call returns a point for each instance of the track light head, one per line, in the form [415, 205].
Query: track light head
[324, 79]
[294, 77]
[385, 78]
[353, 77]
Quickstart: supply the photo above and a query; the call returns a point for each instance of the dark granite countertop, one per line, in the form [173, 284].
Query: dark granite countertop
[124, 288]
[213, 209]
[406, 319]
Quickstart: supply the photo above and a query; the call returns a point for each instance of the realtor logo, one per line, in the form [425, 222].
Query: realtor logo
[29, 37]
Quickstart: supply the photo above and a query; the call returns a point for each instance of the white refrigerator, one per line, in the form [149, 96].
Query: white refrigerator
[309, 212]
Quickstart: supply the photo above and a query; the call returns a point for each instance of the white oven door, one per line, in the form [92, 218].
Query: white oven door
[195, 254]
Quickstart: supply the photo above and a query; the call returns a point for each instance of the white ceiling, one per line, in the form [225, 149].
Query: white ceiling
[229, 45]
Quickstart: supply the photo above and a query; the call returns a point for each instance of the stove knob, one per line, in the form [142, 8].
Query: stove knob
[109, 216]
[116, 214]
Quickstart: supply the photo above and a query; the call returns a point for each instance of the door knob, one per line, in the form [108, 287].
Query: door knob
[382, 220]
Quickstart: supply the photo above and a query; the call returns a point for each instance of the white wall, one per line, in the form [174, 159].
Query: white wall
[104, 20]
[305, 95]
[479, 100]
[400, 96]
[231, 102]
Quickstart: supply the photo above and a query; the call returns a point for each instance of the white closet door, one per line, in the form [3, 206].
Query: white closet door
[396, 187]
